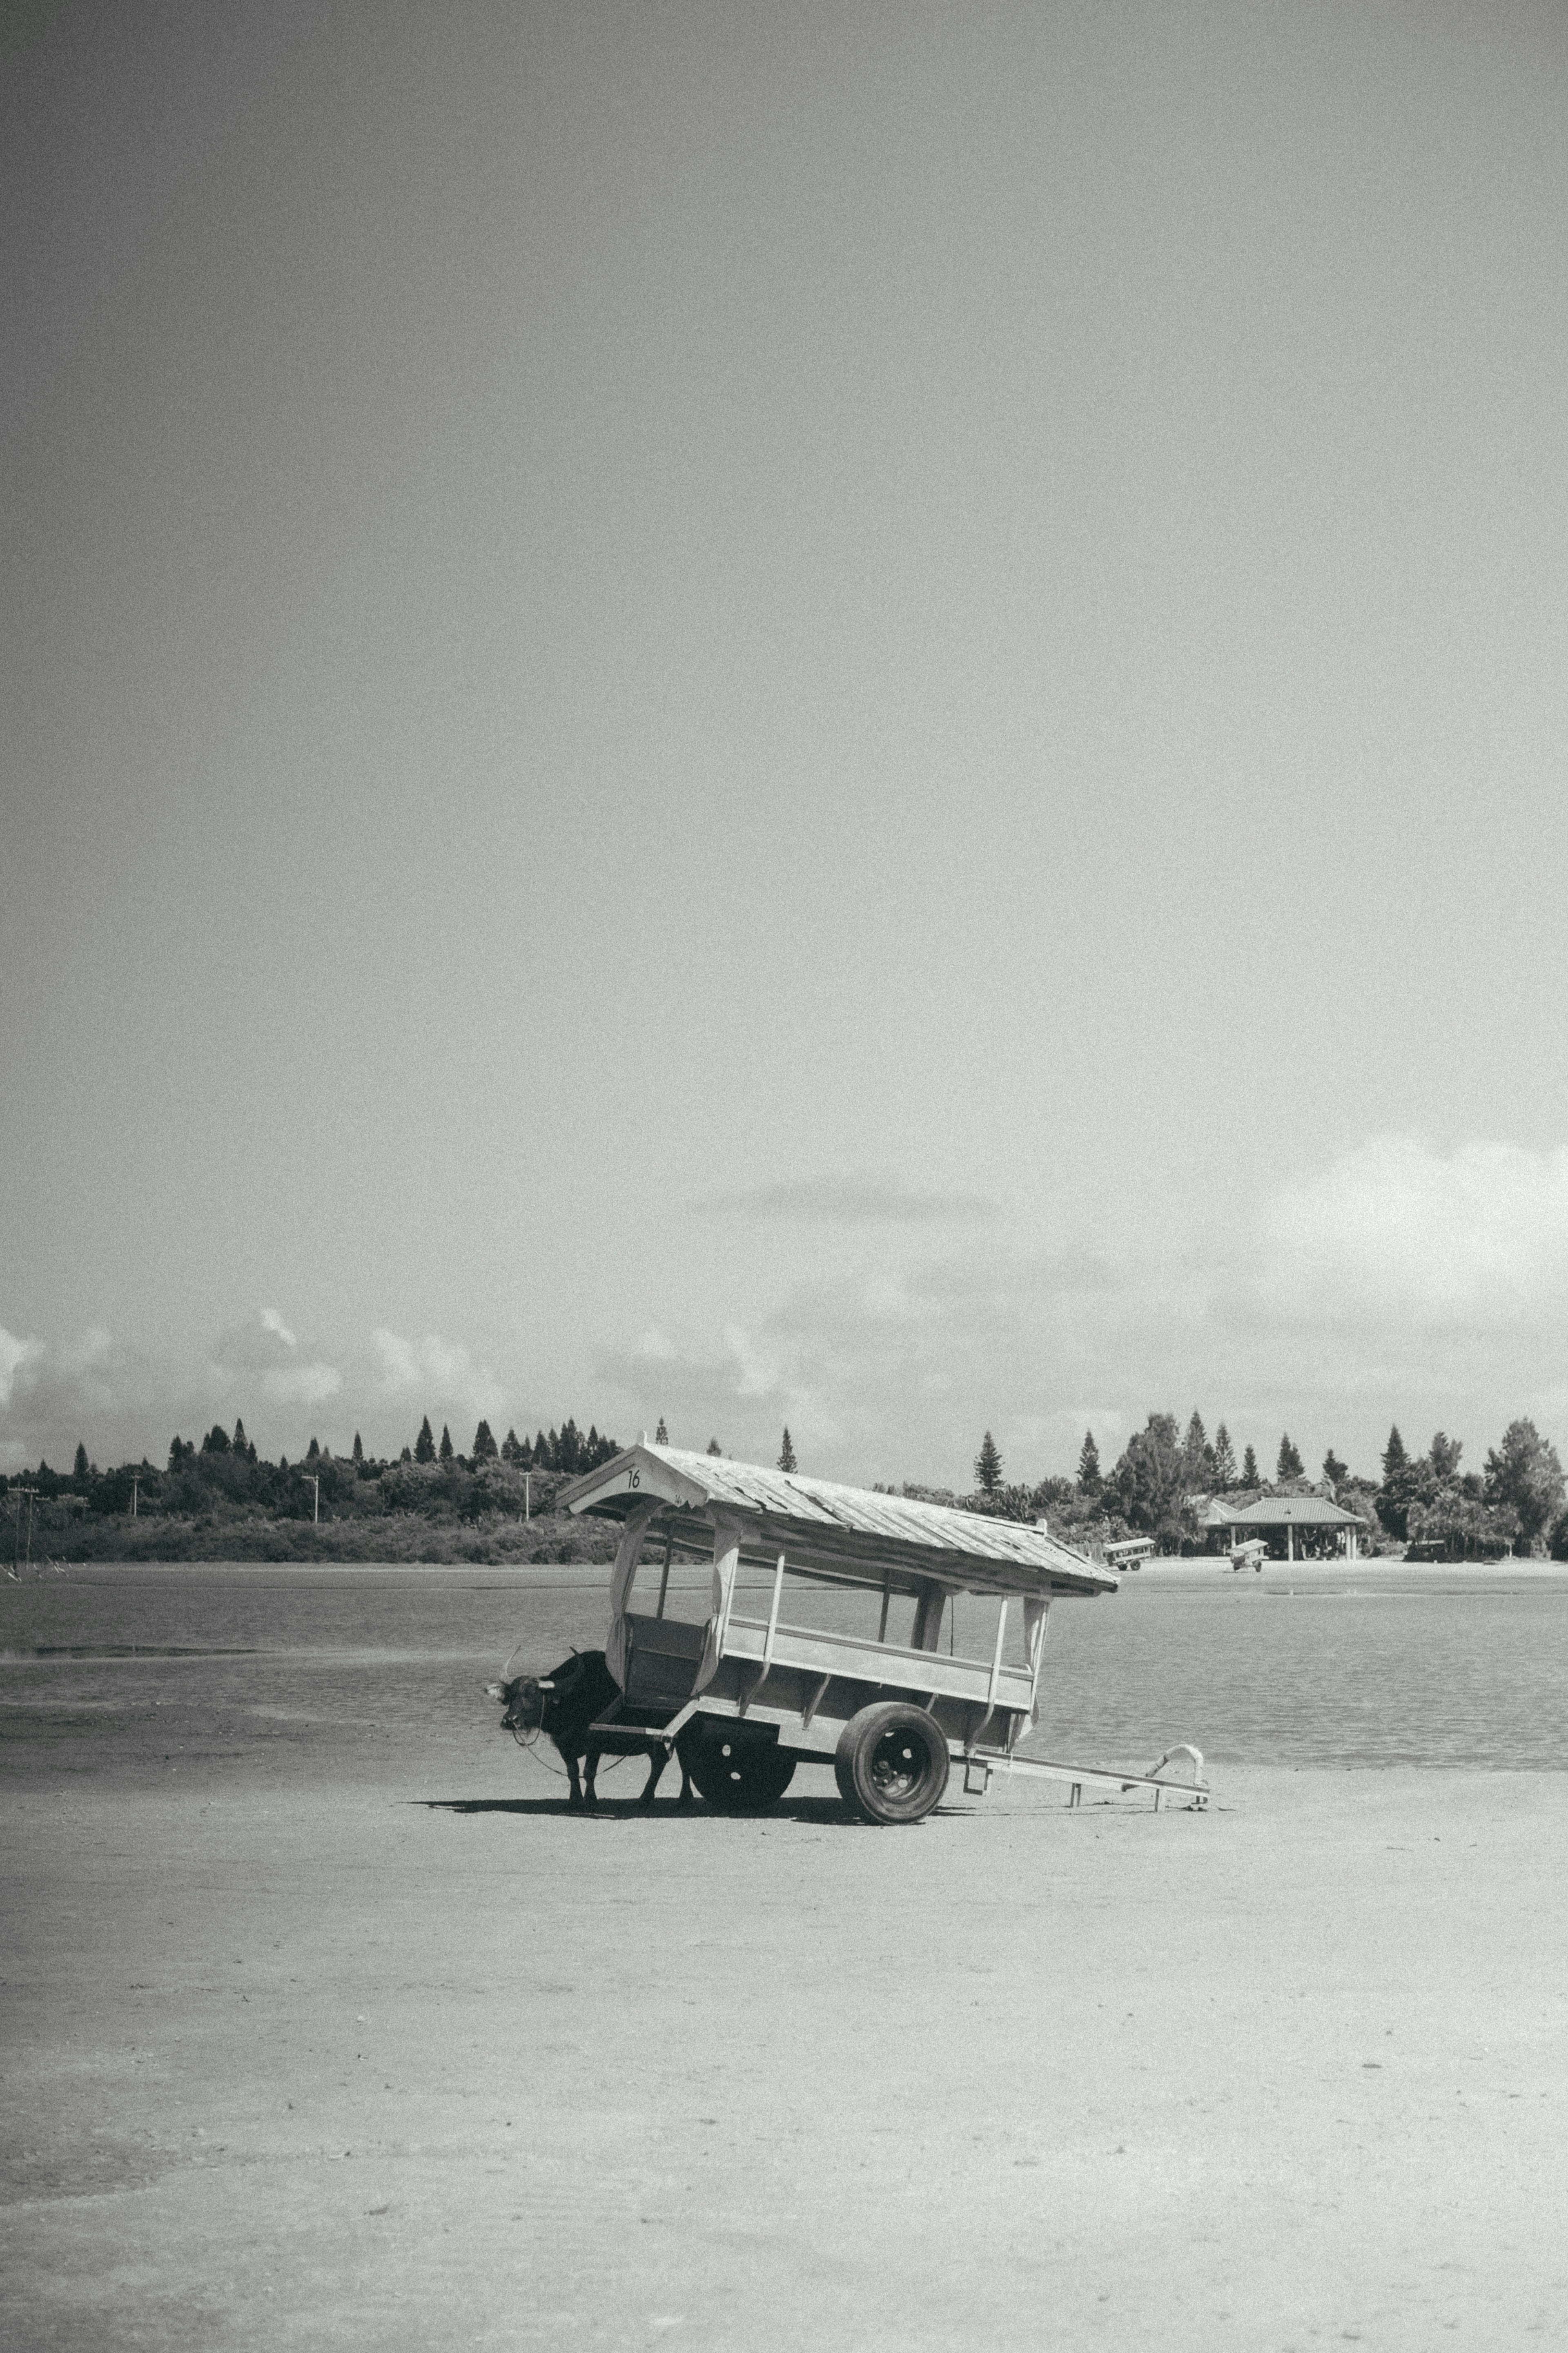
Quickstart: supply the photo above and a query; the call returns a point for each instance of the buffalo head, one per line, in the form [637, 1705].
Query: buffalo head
[523, 1698]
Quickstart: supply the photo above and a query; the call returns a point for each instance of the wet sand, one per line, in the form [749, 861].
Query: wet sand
[316, 2061]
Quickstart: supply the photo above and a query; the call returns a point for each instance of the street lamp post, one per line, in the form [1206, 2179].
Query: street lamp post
[314, 1478]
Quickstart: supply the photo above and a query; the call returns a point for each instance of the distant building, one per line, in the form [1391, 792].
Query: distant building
[1309, 1524]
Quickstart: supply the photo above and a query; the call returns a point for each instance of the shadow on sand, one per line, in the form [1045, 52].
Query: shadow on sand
[822, 1810]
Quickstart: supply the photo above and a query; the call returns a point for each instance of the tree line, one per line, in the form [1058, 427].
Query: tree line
[1162, 1484]
[1164, 1479]
[224, 1474]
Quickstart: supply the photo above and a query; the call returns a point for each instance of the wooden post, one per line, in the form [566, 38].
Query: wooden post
[887, 1597]
[627, 1552]
[726, 1562]
[996, 1658]
[774, 1615]
[664, 1580]
[1036, 1610]
[928, 1617]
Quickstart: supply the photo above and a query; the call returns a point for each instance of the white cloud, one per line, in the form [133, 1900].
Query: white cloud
[444, 1371]
[122, 1402]
[1478, 1237]
[263, 1356]
[399, 1364]
[14, 1355]
[302, 1384]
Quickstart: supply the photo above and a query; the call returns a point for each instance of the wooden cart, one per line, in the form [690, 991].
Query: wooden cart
[747, 1699]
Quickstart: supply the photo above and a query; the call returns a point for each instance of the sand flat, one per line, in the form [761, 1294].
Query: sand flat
[324, 2065]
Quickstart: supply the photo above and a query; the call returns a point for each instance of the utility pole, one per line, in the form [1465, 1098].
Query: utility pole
[527, 1496]
[29, 1492]
[135, 1482]
[314, 1478]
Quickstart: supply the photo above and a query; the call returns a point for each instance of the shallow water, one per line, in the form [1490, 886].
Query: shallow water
[272, 1670]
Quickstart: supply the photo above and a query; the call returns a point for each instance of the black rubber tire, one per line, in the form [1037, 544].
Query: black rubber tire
[736, 1774]
[891, 1762]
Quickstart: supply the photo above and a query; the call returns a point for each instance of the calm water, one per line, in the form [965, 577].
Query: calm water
[267, 1670]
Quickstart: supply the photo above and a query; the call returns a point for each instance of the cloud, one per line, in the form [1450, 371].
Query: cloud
[848, 1201]
[443, 1372]
[302, 1384]
[93, 1388]
[263, 1356]
[15, 1355]
[122, 1402]
[399, 1362]
[1397, 1283]
[1476, 1237]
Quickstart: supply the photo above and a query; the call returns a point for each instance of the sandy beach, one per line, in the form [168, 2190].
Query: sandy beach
[418, 2059]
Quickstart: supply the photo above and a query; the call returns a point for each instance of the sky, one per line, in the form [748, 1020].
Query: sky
[844, 715]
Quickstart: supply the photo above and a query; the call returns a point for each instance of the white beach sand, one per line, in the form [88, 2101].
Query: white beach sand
[323, 2066]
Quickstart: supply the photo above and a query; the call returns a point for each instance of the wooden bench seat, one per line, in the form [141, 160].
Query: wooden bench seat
[662, 1658]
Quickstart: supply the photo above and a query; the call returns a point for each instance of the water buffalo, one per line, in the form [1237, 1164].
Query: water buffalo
[565, 1703]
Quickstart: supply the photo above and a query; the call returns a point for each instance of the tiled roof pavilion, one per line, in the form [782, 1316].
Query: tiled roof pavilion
[1287, 1512]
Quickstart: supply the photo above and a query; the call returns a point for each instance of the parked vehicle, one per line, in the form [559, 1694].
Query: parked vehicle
[750, 1699]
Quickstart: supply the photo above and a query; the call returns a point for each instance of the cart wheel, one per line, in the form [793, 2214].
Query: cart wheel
[891, 1763]
[737, 1775]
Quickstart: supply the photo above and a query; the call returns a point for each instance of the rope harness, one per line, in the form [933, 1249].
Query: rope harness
[529, 1742]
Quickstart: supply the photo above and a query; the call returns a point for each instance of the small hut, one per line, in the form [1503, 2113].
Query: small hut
[1305, 1521]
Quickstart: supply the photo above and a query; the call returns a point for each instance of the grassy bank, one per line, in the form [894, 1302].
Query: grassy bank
[388, 1536]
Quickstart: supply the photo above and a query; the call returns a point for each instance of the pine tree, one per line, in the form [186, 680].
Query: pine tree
[1398, 1492]
[1335, 1472]
[241, 1443]
[787, 1453]
[484, 1446]
[988, 1466]
[312, 1452]
[509, 1449]
[445, 1450]
[424, 1444]
[405, 1456]
[358, 1452]
[1198, 1455]
[714, 1447]
[661, 1435]
[79, 1468]
[1250, 1477]
[1289, 1465]
[217, 1440]
[1224, 1460]
[1525, 1473]
[1444, 1456]
[1089, 1479]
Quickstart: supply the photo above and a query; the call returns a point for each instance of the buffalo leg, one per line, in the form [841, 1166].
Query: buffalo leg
[657, 1759]
[575, 1798]
[590, 1774]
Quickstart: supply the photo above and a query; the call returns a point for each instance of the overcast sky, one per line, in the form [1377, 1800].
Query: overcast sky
[851, 715]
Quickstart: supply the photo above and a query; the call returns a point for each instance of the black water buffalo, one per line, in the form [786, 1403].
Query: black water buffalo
[565, 1703]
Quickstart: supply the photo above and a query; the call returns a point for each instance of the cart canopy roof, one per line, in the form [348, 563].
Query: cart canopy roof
[847, 1534]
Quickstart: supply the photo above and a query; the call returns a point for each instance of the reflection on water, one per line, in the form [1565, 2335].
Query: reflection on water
[119, 1670]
